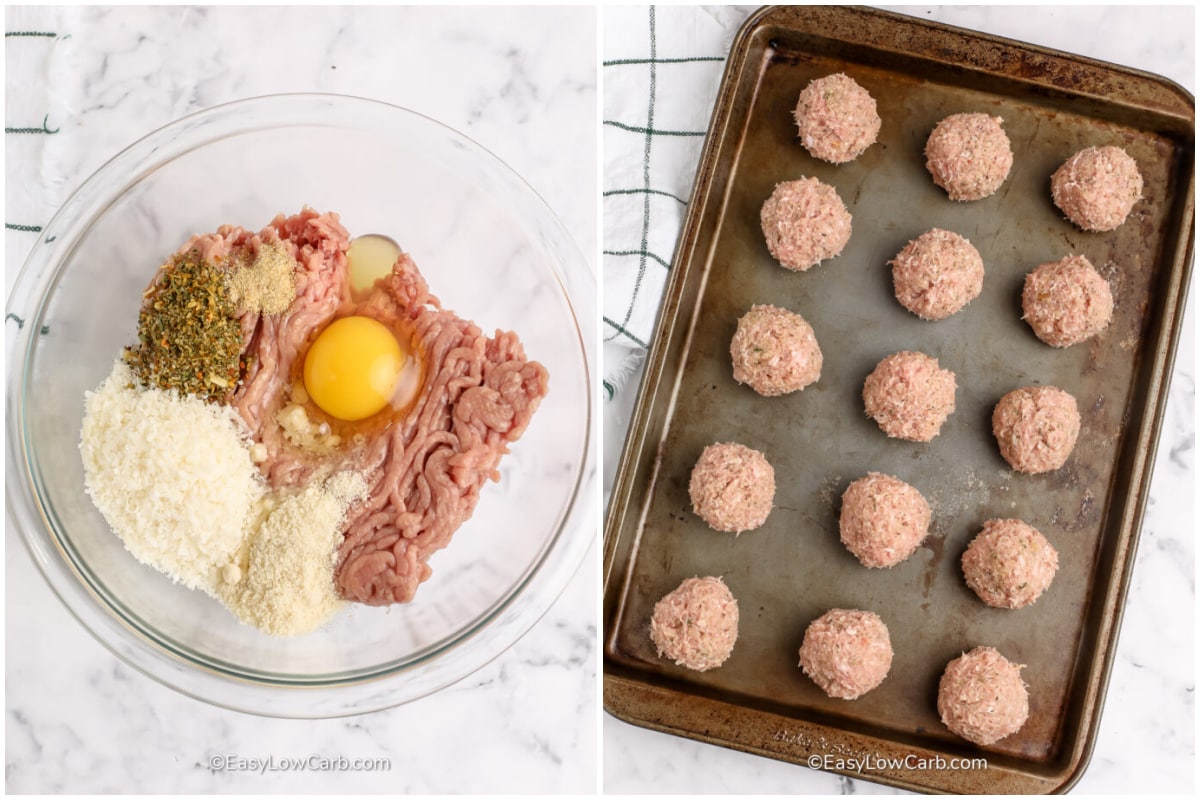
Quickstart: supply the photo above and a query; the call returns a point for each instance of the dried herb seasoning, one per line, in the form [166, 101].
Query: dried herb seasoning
[188, 337]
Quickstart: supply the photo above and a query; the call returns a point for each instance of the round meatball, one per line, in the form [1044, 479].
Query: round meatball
[775, 351]
[836, 118]
[981, 696]
[1009, 564]
[732, 487]
[1036, 428]
[1066, 302]
[969, 155]
[846, 653]
[909, 396]
[937, 274]
[696, 625]
[1097, 187]
[805, 222]
[883, 520]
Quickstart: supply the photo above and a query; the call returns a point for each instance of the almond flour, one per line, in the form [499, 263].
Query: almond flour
[283, 578]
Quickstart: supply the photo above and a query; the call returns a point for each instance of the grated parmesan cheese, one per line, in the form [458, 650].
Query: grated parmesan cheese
[171, 474]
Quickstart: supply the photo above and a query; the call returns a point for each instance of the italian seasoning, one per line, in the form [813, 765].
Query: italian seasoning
[189, 339]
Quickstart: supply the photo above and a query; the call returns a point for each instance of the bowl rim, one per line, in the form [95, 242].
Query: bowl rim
[432, 667]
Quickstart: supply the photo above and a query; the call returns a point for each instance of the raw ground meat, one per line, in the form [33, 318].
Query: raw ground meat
[425, 470]
[836, 118]
[774, 351]
[909, 396]
[936, 274]
[696, 625]
[981, 696]
[732, 487]
[969, 155]
[883, 519]
[846, 652]
[1066, 302]
[805, 222]
[1009, 564]
[1097, 187]
[1036, 428]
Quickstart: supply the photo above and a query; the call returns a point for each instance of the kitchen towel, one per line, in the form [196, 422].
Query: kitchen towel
[662, 68]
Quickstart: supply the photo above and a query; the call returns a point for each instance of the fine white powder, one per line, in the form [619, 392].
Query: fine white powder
[171, 475]
[283, 580]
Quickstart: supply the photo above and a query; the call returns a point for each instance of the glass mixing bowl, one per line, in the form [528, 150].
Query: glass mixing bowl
[491, 250]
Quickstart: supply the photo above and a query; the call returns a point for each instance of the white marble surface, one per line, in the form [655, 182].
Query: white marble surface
[519, 81]
[1146, 741]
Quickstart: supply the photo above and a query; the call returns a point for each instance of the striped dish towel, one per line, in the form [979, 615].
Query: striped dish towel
[34, 117]
[662, 68]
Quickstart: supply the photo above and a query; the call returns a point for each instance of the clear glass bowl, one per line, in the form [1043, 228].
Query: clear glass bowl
[491, 250]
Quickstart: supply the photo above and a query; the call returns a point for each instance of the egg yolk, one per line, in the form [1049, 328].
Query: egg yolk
[351, 369]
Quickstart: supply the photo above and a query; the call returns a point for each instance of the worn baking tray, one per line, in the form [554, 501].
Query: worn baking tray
[791, 570]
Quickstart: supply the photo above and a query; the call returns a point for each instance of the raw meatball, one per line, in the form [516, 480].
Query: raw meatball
[1067, 301]
[846, 653]
[775, 351]
[1036, 428]
[732, 487]
[1009, 564]
[910, 396]
[1097, 187]
[836, 118]
[981, 696]
[937, 274]
[697, 624]
[805, 222]
[969, 155]
[883, 520]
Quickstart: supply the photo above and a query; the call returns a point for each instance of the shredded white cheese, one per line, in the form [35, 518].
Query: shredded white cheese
[172, 475]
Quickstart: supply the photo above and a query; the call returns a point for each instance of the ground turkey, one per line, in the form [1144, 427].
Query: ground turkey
[836, 119]
[1066, 302]
[774, 351]
[805, 222]
[1097, 188]
[696, 625]
[1009, 564]
[909, 396]
[883, 520]
[969, 155]
[1036, 428]
[846, 653]
[937, 274]
[981, 696]
[732, 487]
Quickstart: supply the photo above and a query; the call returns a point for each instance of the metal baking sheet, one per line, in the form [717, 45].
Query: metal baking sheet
[791, 570]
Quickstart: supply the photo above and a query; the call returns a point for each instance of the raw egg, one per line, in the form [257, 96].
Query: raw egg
[352, 368]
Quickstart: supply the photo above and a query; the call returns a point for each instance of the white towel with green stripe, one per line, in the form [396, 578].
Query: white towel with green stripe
[662, 68]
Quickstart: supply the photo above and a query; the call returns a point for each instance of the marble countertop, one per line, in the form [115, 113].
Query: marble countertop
[1146, 740]
[87, 81]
